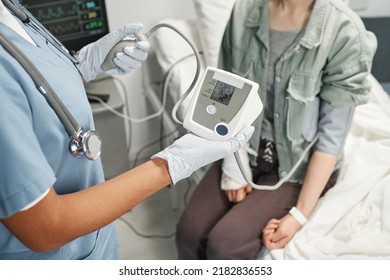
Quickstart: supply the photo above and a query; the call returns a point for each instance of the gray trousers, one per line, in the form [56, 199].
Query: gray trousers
[211, 227]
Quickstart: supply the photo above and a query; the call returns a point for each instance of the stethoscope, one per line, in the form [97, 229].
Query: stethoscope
[82, 142]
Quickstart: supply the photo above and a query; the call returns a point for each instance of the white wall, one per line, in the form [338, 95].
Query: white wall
[149, 12]
[369, 8]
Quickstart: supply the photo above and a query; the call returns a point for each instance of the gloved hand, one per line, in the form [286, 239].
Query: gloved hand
[92, 56]
[192, 152]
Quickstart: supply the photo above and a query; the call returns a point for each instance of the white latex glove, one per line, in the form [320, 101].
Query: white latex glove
[92, 56]
[232, 178]
[192, 152]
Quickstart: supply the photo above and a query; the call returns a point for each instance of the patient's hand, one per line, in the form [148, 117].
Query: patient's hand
[239, 195]
[277, 233]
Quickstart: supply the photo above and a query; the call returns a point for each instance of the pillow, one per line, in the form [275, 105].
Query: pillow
[212, 16]
[169, 46]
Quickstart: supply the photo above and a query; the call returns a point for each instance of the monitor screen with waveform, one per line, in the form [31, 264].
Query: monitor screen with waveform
[75, 23]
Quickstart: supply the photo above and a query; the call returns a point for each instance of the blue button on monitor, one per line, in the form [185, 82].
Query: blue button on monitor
[221, 129]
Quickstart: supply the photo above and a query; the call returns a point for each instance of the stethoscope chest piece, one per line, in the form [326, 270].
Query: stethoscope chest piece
[87, 143]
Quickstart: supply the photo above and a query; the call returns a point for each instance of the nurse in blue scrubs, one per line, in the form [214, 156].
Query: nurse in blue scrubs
[54, 205]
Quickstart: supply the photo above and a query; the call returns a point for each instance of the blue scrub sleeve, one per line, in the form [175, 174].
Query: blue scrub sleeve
[24, 171]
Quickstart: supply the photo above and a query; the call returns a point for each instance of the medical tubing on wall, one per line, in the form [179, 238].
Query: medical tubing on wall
[151, 116]
[282, 181]
[109, 64]
[198, 63]
[70, 124]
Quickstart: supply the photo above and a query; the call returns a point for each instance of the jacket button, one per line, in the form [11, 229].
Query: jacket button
[278, 79]
[283, 174]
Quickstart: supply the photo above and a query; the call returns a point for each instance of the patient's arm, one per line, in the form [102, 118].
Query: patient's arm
[320, 168]
[277, 233]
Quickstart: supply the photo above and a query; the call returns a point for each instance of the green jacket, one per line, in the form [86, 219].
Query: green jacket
[330, 60]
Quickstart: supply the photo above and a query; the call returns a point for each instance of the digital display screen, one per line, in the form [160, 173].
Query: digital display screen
[222, 93]
[75, 23]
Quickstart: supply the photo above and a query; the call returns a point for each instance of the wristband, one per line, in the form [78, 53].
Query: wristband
[298, 215]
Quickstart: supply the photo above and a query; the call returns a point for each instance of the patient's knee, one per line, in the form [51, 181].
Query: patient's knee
[189, 242]
[230, 246]
[219, 248]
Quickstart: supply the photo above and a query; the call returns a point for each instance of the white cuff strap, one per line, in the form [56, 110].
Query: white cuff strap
[298, 215]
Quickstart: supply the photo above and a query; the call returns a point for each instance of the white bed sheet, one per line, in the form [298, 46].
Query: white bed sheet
[352, 221]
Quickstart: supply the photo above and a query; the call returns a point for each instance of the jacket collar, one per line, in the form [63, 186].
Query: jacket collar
[313, 32]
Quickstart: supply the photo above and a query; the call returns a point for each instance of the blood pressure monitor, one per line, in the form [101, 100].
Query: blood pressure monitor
[223, 104]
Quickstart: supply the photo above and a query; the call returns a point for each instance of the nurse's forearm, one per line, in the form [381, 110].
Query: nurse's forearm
[58, 219]
[111, 199]
[319, 171]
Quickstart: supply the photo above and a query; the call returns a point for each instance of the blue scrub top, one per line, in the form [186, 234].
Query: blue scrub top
[34, 146]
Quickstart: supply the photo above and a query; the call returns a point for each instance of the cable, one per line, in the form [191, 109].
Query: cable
[145, 235]
[166, 81]
[282, 181]
[164, 94]
[125, 116]
[198, 64]
[187, 193]
[154, 115]
[124, 90]
[181, 99]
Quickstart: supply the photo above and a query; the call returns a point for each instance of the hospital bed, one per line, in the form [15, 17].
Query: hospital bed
[352, 221]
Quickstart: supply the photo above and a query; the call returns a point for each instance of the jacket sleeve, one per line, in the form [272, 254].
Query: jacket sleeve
[349, 63]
